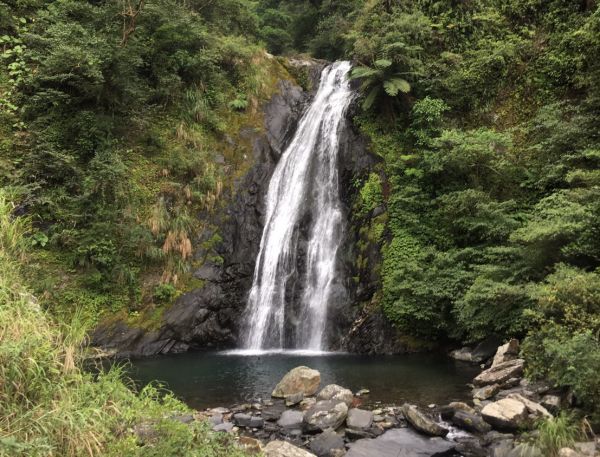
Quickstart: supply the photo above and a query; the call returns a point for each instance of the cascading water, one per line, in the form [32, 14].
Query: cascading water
[305, 181]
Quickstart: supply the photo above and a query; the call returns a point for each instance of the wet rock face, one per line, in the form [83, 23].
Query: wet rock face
[212, 317]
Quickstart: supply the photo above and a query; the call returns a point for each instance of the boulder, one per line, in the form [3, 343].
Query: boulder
[506, 352]
[325, 414]
[242, 420]
[327, 444]
[471, 422]
[401, 442]
[226, 427]
[505, 414]
[359, 419]
[552, 403]
[290, 420]
[284, 449]
[299, 380]
[273, 413]
[216, 419]
[460, 406]
[421, 422]
[486, 392]
[500, 373]
[256, 422]
[294, 399]
[337, 393]
[534, 408]
[250, 445]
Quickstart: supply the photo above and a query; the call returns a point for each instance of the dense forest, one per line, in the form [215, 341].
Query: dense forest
[115, 120]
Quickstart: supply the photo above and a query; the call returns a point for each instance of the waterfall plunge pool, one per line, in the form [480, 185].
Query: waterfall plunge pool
[211, 379]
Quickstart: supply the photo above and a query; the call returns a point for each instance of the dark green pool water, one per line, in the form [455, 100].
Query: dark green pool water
[216, 379]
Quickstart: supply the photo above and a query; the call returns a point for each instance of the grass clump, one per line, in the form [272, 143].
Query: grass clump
[49, 406]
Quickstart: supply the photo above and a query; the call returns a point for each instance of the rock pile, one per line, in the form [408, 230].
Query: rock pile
[303, 421]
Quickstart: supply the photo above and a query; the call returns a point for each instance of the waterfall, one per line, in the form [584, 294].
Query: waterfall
[305, 181]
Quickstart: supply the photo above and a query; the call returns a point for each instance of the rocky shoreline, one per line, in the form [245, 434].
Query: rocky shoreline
[303, 420]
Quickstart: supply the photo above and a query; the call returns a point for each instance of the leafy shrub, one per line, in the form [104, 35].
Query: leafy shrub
[164, 293]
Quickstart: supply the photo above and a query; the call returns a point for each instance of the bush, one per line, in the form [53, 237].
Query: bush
[164, 293]
[49, 406]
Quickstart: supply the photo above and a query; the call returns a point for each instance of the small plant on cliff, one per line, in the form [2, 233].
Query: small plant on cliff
[378, 80]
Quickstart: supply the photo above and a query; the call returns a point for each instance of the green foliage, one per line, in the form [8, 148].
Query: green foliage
[370, 195]
[557, 433]
[50, 406]
[491, 162]
[164, 293]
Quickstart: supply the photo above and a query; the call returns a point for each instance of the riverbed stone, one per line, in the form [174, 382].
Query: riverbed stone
[273, 413]
[294, 399]
[461, 406]
[359, 419]
[226, 427]
[401, 442]
[256, 422]
[471, 422]
[327, 444]
[291, 419]
[285, 449]
[216, 419]
[506, 352]
[500, 373]
[486, 392]
[298, 380]
[242, 420]
[421, 422]
[336, 393]
[325, 414]
[505, 414]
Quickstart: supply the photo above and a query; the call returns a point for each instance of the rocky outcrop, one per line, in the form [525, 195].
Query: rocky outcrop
[501, 373]
[302, 380]
[212, 316]
[505, 414]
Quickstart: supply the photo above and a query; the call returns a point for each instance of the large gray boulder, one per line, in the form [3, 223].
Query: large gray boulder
[327, 444]
[285, 449]
[290, 420]
[421, 422]
[401, 442]
[505, 414]
[325, 414]
[299, 380]
[336, 393]
[359, 419]
[471, 422]
[500, 373]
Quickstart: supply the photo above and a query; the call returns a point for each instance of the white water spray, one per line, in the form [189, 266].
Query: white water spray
[307, 174]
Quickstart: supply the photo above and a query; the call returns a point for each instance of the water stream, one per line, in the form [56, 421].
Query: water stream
[304, 184]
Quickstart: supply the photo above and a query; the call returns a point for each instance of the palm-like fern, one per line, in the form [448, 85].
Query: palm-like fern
[379, 79]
